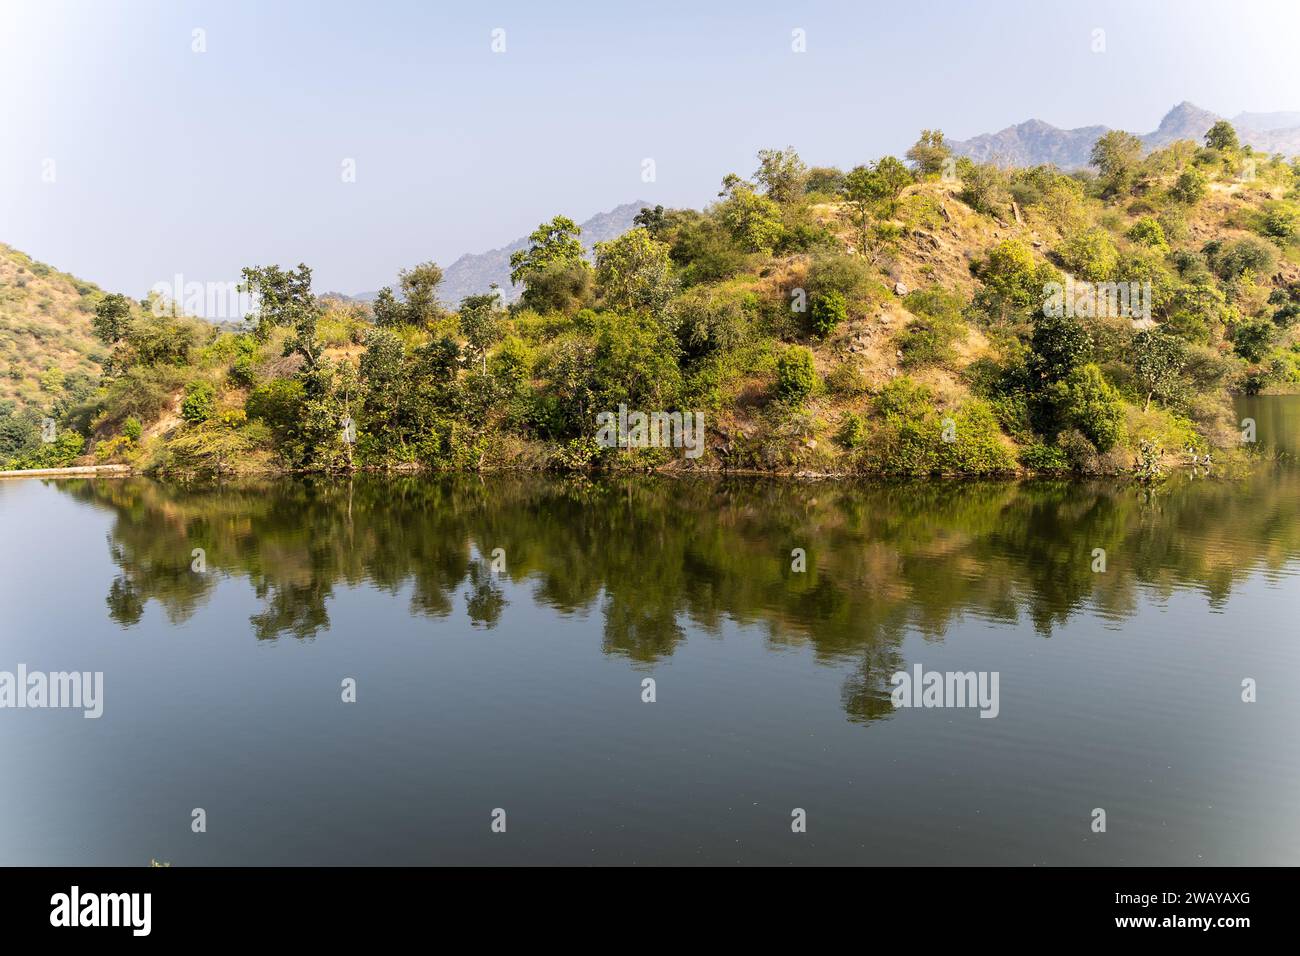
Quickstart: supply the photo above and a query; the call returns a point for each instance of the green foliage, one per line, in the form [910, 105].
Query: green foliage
[1058, 346]
[551, 243]
[1158, 360]
[1222, 136]
[709, 321]
[1086, 401]
[480, 323]
[132, 428]
[634, 271]
[782, 173]
[824, 181]
[1090, 255]
[929, 153]
[1147, 231]
[285, 300]
[796, 377]
[1190, 188]
[1040, 457]
[1116, 155]
[200, 402]
[984, 186]
[60, 453]
[752, 220]
[828, 311]
[704, 251]
[112, 318]
[1252, 338]
[563, 287]
[938, 326]
[1012, 282]
[206, 449]
[1230, 260]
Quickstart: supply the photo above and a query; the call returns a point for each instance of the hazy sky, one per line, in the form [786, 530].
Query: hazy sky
[166, 160]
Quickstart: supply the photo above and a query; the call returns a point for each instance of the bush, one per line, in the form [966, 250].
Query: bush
[796, 378]
[200, 402]
[1147, 231]
[1091, 256]
[828, 310]
[1088, 402]
[1040, 457]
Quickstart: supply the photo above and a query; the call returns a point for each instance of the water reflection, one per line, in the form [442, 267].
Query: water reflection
[660, 558]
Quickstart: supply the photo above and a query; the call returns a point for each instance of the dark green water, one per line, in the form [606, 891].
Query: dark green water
[522, 690]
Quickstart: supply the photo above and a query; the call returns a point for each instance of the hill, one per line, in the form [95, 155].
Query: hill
[892, 319]
[47, 351]
[1035, 142]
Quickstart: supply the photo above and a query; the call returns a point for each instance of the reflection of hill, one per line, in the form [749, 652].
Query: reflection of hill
[655, 554]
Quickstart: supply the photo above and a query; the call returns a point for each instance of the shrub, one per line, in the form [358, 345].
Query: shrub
[1147, 231]
[1089, 403]
[200, 402]
[795, 375]
[1040, 457]
[1190, 187]
[1090, 255]
[828, 310]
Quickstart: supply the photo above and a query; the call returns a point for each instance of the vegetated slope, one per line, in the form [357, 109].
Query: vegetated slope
[892, 319]
[46, 344]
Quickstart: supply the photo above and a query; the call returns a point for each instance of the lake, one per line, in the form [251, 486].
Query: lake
[513, 680]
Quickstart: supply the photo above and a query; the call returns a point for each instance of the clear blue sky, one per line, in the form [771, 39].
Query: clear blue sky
[169, 161]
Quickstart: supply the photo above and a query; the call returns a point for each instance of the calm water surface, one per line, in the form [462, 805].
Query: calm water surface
[522, 690]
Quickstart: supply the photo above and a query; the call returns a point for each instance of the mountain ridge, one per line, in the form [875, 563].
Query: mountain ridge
[1036, 142]
[476, 272]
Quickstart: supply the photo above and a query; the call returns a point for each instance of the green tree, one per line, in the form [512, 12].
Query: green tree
[480, 323]
[929, 153]
[782, 173]
[1158, 361]
[112, 318]
[551, 243]
[1116, 155]
[634, 271]
[420, 290]
[828, 310]
[1090, 255]
[1222, 136]
[200, 402]
[752, 219]
[1147, 231]
[1012, 282]
[285, 299]
[1091, 404]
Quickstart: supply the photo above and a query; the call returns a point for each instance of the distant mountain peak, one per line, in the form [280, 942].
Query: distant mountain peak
[1035, 142]
[476, 272]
